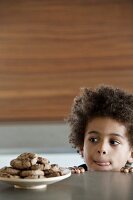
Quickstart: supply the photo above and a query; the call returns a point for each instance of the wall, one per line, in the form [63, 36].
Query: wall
[48, 50]
[36, 137]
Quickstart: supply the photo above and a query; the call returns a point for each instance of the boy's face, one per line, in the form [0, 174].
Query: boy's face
[106, 146]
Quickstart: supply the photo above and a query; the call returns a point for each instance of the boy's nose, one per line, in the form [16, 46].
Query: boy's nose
[102, 148]
[101, 151]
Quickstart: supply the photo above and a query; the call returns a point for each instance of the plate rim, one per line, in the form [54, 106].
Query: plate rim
[41, 180]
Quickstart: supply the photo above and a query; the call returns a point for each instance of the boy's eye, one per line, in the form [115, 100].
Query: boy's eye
[93, 140]
[114, 142]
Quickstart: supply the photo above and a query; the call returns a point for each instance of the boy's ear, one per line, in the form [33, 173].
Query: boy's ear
[81, 152]
[130, 160]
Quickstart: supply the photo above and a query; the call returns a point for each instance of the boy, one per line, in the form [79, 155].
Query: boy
[101, 122]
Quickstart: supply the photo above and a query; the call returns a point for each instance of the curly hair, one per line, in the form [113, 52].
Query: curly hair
[104, 101]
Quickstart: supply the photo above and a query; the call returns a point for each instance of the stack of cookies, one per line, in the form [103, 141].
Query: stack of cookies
[30, 166]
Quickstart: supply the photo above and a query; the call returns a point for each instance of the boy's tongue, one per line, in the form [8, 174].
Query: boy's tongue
[102, 163]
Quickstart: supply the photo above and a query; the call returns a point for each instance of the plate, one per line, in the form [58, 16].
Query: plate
[35, 183]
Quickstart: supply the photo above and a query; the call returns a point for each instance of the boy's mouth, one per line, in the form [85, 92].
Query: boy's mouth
[102, 163]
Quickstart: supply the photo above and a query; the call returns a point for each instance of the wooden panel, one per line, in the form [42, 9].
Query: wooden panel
[49, 49]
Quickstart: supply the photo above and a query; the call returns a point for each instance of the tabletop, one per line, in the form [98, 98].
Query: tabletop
[90, 185]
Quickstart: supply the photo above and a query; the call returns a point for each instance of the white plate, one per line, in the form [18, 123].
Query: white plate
[35, 183]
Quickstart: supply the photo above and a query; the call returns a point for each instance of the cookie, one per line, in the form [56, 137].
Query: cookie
[20, 164]
[25, 156]
[55, 167]
[6, 175]
[10, 170]
[41, 160]
[37, 166]
[47, 166]
[24, 161]
[31, 157]
[51, 173]
[26, 173]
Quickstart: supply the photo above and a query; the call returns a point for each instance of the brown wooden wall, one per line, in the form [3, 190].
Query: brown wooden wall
[51, 48]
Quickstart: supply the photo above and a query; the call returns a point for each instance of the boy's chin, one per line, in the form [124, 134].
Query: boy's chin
[97, 166]
[104, 169]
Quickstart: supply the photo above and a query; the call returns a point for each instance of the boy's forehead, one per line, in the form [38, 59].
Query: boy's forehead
[106, 125]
